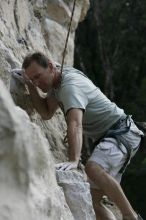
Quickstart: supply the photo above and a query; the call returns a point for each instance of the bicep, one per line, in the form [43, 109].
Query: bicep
[74, 117]
[72, 97]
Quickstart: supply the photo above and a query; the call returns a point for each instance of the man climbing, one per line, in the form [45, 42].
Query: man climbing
[88, 111]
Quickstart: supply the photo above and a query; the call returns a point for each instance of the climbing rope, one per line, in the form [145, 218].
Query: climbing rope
[68, 35]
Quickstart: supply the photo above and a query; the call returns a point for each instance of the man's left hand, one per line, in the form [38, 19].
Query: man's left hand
[67, 165]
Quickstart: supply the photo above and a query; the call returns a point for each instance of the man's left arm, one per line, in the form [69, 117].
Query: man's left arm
[74, 136]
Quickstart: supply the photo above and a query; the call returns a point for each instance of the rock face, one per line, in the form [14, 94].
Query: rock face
[30, 147]
[36, 25]
[42, 25]
[77, 194]
[28, 184]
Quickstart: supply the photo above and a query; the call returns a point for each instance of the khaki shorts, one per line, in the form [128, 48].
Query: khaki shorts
[108, 155]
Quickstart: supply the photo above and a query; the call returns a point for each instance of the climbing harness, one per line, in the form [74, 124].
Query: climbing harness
[67, 36]
[121, 127]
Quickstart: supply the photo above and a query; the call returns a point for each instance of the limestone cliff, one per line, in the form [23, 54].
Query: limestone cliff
[38, 25]
[29, 147]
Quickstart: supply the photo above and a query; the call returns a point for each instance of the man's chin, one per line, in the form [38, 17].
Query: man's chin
[43, 90]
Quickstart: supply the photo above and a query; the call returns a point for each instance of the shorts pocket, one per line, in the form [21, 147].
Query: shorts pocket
[107, 144]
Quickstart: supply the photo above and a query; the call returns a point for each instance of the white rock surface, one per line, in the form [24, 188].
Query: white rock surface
[24, 27]
[77, 194]
[28, 186]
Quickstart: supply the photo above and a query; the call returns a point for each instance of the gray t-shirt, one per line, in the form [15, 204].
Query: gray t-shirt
[78, 91]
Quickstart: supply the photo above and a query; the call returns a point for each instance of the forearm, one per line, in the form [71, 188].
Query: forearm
[74, 134]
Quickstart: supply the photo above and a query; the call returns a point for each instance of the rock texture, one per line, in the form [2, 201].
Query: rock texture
[77, 194]
[28, 184]
[36, 25]
[42, 25]
[30, 147]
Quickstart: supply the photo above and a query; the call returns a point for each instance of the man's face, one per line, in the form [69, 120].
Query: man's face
[40, 76]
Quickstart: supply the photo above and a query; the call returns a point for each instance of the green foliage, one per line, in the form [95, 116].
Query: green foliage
[141, 99]
[123, 32]
[122, 29]
[134, 182]
[144, 162]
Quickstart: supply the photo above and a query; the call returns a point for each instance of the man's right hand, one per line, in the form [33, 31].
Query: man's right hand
[26, 79]
[18, 74]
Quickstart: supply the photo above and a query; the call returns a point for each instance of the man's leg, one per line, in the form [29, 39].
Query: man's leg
[102, 212]
[110, 188]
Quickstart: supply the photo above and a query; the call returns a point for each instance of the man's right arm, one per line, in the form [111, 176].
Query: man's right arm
[46, 107]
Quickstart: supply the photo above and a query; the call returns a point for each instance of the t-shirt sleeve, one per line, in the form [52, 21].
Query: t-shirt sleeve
[72, 96]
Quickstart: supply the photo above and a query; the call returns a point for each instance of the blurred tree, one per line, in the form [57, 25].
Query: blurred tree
[111, 50]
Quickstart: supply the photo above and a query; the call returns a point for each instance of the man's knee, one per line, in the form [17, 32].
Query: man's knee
[93, 169]
[97, 174]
